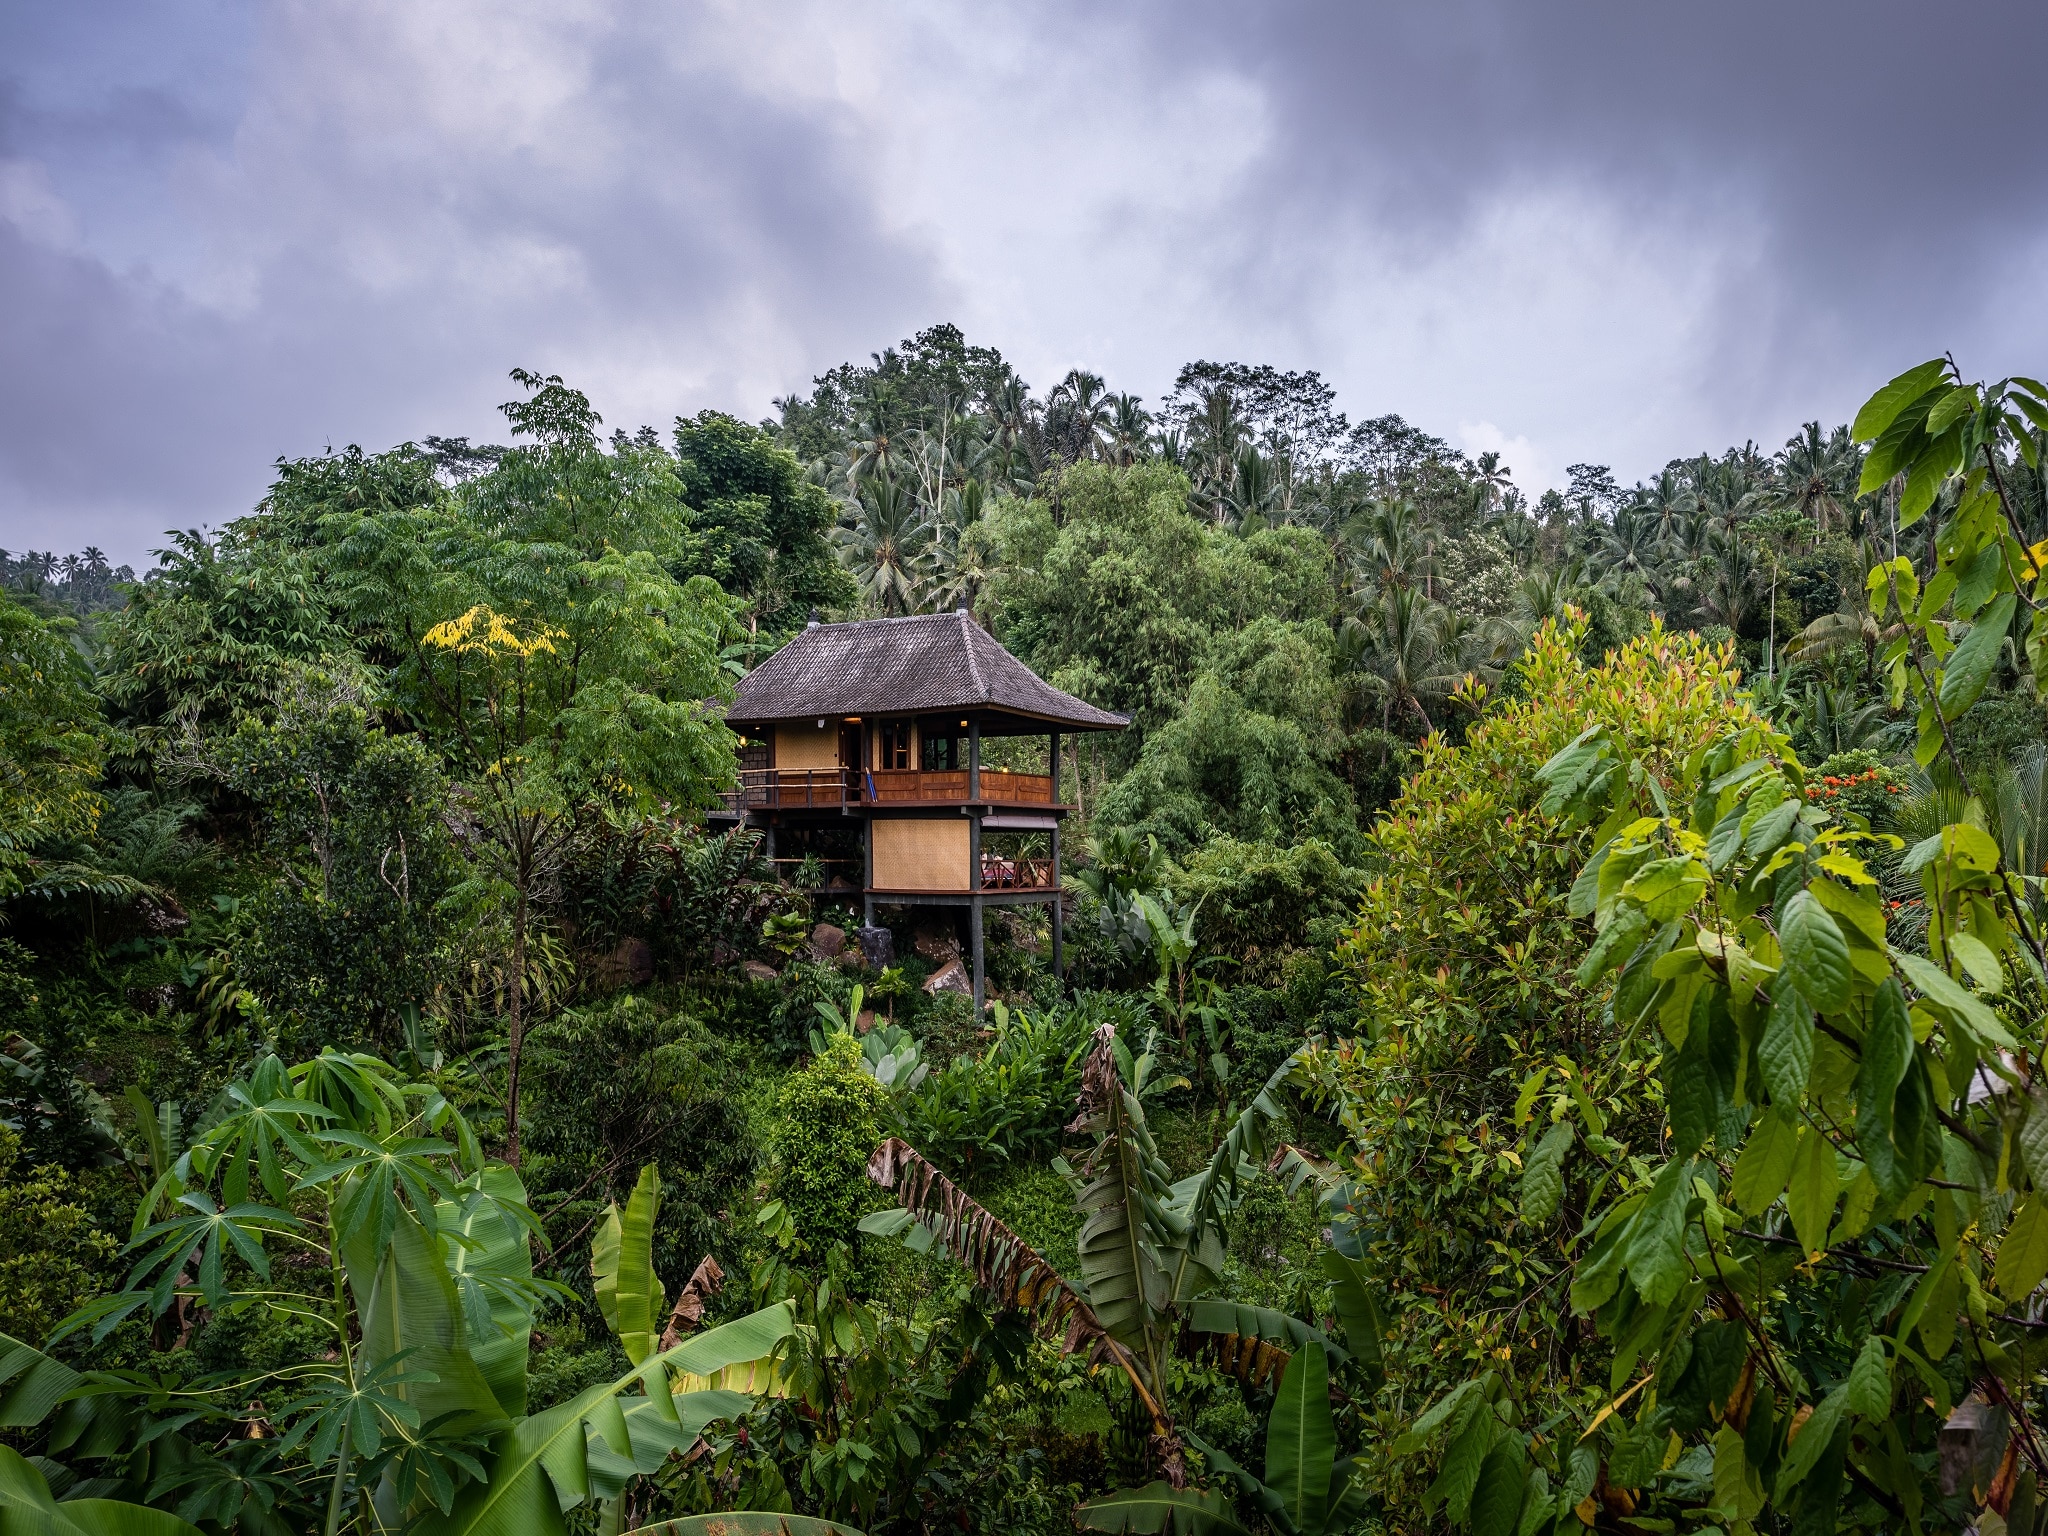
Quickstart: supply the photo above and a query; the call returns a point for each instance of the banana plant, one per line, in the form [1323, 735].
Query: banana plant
[1150, 1247]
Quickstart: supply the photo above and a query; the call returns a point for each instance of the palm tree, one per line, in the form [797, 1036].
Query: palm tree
[1816, 476]
[1492, 476]
[1412, 646]
[1629, 545]
[1129, 430]
[882, 545]
[1255, 491]
[1666, 501]
[1077, 416]
[1395, 555]
[1727, 584]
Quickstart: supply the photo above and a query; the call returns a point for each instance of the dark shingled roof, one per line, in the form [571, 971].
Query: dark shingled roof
[929, 661]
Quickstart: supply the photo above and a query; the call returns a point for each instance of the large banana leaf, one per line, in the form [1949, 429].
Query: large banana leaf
[937, 1209]
[1200, 1202]
[1301, 1441]
[1160, 1507]
[1351, 1289]
[412, 1309]
[31, 1384]
[746, 1522]
[1124, 1201]
[629, 1293]
[540, 1466]
[27, 1509]
[1254, 1343]
[490, 1262]
[654, 1435]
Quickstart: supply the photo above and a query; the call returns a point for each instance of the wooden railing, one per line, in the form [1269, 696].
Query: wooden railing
[794, 789]
[1017, 788]
[919, 786]
[825, 788]
[1020, 874]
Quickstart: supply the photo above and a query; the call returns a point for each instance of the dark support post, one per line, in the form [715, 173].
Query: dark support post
[1053, 757]
[1059, 921]
[974, 919]
[974, 758]
[973, 853]
[867, 869]
[768, 842]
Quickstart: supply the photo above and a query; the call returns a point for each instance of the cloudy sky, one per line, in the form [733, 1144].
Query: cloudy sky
[1607, 230]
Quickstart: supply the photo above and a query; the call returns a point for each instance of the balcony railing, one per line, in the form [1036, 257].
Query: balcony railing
[829, 788]
[1019, 874]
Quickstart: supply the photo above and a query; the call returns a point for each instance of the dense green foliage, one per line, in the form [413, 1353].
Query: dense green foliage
[1550, 1036]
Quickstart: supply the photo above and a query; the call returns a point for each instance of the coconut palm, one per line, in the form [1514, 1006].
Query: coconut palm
[1129, 429]
[882, 544]
[1816, 476]
[1415, 650]
[1077, 416]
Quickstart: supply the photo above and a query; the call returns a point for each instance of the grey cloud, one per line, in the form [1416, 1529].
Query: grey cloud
[228, 232]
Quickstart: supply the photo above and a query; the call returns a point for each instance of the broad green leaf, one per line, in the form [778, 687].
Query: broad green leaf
[1351, 1294]
[28, 1509]
[1615, 943]
[1736, 1485]
[1159, 1507]
[2033, 1136]
[1812, 1439]
[629, 1293]
[1869, 1391]
[1977, 961]
[490, 1259]
[537, 1466]
[1785, 1053]
[1882, 408]
[413, 1311]
[1766, 1162]
[1301, 1440]
[1816, 954]
[1810, 1199]
[1543, 1174]
[1656, 1238]
[1667, 887]
[31, 1384]
[1887, 1052]
[1970, 666]
[1951, 408]
[1497, 1501]
[1463, 1462]
[1949, 997]
[2023, 1255]
[1859, 911]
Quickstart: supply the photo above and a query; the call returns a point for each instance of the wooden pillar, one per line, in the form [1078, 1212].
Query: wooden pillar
[1059, 920]
[974, 922]
[1053, 757]
[867, 868]
[974, 758]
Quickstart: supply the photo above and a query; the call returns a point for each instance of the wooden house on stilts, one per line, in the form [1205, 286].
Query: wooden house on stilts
[863, 761]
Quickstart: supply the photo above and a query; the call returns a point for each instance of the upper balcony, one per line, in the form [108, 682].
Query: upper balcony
[800, 789]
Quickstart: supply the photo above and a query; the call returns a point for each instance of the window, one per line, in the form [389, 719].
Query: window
[941, 752]
[895, 744]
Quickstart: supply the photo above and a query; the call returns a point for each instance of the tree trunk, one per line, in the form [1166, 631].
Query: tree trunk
[516, 1036]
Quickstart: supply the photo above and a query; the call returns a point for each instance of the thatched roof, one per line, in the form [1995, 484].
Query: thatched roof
[924, 663]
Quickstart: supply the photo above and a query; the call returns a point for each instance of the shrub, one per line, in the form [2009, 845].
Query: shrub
[629, 1081]
[1009, 1102]
[1258, 901]
[1862, 782]
[1463, 956]
[52, 1256]
[829, 1119]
